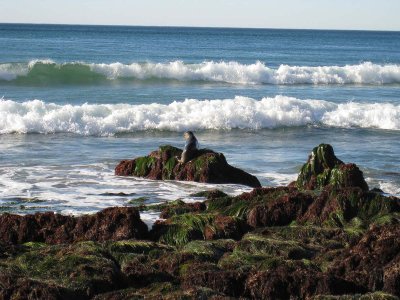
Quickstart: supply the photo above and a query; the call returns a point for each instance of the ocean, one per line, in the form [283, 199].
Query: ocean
[75, 100]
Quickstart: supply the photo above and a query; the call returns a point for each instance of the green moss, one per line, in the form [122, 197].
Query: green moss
[184, 228]
[207, 250]
[171, 150]
[209, 194]
[229, 206]
[132, 246]
[171, 208]
[169, 168]
[34, 245]
[320, 165]
[138, 201]
[258, 244]
[143, 165]
[76, 266]
[386, 219]
[124, 251]
[244, 261]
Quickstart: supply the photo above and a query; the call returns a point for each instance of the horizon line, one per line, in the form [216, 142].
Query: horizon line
[200, 27]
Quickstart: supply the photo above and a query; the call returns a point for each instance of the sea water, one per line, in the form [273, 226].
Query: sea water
[75, 100]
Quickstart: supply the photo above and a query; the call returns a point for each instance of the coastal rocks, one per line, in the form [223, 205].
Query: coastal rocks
[16, 287]
[181, 229]
[374, 262]
[280, 211]
[207, 166]
[78, 269]
[284, 280]
[324, 168]
[333, 242]
[109, 224]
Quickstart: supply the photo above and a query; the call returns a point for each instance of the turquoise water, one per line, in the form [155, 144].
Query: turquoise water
[77, 99]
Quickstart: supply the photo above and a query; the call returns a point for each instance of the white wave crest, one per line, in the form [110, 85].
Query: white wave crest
[257, 73]
[243, 113]
[227, 72]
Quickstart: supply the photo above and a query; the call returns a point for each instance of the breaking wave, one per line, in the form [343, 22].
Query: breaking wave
[37, 116]
[49, 72]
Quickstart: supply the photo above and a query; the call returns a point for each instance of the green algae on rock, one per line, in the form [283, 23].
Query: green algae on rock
[207, 166]
[324, 168]
[335, 241]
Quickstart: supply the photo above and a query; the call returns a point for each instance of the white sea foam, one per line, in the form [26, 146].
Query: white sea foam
[37, 116]
[391, 188]
[210, 71]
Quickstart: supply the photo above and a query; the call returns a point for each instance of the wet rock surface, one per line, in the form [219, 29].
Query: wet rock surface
[207, 166]
[331, 241]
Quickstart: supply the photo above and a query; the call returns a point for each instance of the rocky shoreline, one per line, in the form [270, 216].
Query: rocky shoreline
[325, 236]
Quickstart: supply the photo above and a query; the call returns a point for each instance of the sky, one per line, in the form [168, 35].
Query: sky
[301, 14]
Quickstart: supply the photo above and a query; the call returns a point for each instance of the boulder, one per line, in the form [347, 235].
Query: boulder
[207, 166]
[374, 262]
[324, 168]
[115, 223]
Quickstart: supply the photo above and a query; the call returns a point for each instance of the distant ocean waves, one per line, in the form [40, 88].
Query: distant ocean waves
[48, 72]
[37, 116]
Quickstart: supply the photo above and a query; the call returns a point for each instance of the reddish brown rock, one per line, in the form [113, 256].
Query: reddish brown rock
[207, 166]
[228, 282]
[116, 223]
[280, 211]
[296, 280]
[15, 287]
[225, 227]
[374, 261]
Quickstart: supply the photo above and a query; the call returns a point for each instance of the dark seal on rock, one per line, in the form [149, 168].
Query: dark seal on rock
[207, 166]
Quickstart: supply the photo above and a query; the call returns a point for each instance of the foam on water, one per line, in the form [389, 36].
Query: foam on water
[82, 189]
[37, 116]
[47, 71]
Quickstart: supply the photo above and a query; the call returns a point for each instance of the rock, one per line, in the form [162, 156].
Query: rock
[225, 227]
[338, 207]
[181, 229]
[324, 168]
[16, 287]
[116, 223]
[373, 262]
[228, 282]
[280, 211]
[210, 194]
[81, 269]
[179, 207]
[207, 166]
[287, 280]
[367, 296]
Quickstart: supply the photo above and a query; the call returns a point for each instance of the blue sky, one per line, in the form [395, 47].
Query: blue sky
[316, 14]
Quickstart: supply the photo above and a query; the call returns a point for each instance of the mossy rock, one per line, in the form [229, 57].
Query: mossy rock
[181, 229]
[212, 194]
[324, 168]
[208, 250]
[259, 244]
[205, 166]
[354, 209]
[84, 267]
[368, 296]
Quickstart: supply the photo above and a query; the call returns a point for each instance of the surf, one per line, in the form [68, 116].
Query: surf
[37, 116]
[48, 72]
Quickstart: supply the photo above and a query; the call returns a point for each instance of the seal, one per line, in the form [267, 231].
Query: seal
[191, 147]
